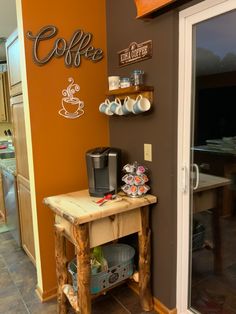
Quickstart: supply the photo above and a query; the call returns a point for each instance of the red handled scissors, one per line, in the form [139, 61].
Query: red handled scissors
[105, 199]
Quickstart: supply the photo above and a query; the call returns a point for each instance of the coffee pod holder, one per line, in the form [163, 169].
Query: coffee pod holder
[135, 179]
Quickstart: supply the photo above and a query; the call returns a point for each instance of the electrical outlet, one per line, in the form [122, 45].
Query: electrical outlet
[148, 152]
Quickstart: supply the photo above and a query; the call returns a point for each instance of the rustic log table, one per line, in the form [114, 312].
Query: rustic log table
[80, 220]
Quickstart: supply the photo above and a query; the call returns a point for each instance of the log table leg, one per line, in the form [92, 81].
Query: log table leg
[61, 271]
[81, 235]
[144, 261]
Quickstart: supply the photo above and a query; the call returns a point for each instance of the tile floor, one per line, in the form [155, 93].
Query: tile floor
[18, 280]
[215, 293]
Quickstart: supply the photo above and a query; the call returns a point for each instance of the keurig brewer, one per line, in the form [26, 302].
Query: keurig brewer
[103, 169]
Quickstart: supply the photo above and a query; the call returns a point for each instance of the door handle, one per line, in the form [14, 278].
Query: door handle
[184, 178]
[195, 166]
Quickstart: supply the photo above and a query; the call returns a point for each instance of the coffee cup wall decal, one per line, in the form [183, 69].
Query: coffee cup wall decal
[72, 107]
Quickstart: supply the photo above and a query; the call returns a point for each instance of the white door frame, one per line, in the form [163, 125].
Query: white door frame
[187, 18]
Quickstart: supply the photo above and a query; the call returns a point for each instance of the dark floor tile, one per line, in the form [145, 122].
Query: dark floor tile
[229, 276]
[129, 299]
[11, 301]
[8, 246]
[27, 288]
[14, 257]
[5, 280]
[5, 236]
[2, 263]
[36, 307]
[211, 294]
[21, 271]
[107, 304]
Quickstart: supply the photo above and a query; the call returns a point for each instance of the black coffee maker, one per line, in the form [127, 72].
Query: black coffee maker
[103, 169]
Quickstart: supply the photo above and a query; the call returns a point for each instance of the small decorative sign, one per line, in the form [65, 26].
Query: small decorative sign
[71, 106]
[72, 50]
[135, 53]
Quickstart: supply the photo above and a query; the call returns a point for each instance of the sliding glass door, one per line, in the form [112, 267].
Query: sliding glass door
[207, 160]
[212, 276]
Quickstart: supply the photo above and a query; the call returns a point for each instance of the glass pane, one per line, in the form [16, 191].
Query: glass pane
[212, 279]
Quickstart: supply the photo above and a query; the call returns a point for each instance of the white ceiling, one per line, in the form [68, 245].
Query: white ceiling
[8, 22]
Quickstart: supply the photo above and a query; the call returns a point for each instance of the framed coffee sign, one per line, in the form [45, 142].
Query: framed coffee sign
[135, 53]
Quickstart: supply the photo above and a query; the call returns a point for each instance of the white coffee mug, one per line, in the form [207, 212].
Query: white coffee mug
[141, 104]
[128, 105]
[113, 82]
[115, 107]
[104, 107]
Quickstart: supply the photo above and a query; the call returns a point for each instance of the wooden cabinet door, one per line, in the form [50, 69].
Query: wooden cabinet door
[26, 220]
[145, 7]
[19, 136]
[2, 205]
[13, 61]
[4, 97]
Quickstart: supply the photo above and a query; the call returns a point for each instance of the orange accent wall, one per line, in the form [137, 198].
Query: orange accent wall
[59, 144]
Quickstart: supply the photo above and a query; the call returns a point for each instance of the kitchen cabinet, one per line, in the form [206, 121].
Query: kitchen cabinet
[26, 220]
[19, 140]
[19, 135]
[147, 7]
[13, 62]
[2, 205]
[4, 98]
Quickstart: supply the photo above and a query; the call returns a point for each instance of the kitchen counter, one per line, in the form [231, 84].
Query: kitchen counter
[224, 151]
[9, 165]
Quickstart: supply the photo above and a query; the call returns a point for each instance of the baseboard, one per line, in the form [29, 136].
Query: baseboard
[158, 306]
[161, 308]
[46, 295]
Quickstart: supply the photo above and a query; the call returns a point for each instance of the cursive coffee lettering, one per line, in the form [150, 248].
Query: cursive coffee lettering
[73, 50]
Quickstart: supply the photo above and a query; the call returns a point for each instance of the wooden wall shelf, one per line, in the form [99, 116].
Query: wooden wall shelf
[132, 92]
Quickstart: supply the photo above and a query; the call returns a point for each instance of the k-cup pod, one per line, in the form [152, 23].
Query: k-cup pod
[124, 178]
[140, 170]
[142, 189]
[141, 104]
[138, 180]
[113, 82]
[126, 188]
[128, 105]
[134, 190]
[128, 178]
[104, 107]
[115, 107]
[144, 177]
[129, 168]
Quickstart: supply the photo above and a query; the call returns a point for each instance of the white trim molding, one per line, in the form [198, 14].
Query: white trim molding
[187, 19]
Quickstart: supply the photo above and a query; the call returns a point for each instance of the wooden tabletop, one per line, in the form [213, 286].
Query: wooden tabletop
[208, 182]
[79, 207]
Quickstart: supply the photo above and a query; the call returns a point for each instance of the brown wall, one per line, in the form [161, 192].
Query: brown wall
[158, 127]
[59, 144]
